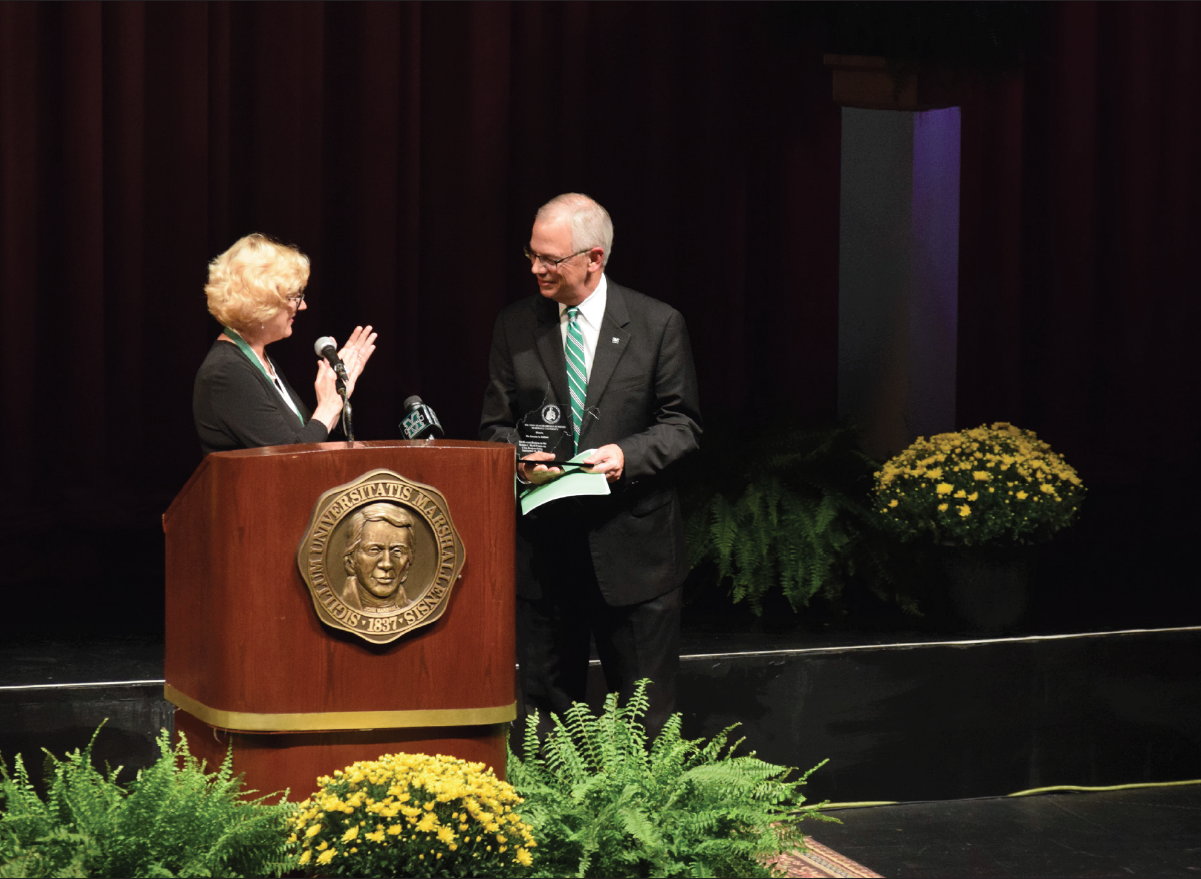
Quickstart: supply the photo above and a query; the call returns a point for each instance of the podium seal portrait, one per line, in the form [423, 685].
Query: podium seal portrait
[380, 556]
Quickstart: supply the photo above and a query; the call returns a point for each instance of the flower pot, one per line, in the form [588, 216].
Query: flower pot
[989, 585]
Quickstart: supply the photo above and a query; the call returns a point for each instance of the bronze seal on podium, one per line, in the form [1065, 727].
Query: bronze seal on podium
[380, 556]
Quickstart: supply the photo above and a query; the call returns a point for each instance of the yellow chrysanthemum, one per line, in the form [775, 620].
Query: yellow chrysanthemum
[412, 784]
[965, 511]
[305, 857]
[944, 488]
[942, 508]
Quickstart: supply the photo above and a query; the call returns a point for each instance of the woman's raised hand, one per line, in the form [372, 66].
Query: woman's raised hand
[355, 354]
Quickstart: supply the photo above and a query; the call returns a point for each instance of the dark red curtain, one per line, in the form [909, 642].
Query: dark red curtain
[1078, 284]
[405, 147]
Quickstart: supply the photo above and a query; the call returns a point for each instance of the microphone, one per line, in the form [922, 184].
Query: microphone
[324, 347]
[419, 421]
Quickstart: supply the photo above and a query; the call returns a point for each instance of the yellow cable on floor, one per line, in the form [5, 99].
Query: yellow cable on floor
[1021, 793]
[825, 806]
[1043, 790]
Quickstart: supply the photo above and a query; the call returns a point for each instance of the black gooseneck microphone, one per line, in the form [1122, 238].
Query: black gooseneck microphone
[325, 348]
[419, 421]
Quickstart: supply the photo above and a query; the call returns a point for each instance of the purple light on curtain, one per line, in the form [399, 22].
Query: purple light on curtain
[934, 302]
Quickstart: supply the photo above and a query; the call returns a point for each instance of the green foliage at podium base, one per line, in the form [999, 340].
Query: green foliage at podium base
[603, 801]
[173, 819]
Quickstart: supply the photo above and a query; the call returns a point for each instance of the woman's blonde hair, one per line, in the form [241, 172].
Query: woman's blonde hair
[252, 280]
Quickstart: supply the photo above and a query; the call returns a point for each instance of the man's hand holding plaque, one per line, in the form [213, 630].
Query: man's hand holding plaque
[539, 474]
[563, 479]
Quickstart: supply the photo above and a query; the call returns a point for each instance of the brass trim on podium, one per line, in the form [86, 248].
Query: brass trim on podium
[330, 721]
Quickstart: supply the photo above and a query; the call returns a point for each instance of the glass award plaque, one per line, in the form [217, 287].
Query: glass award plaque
[546, 429]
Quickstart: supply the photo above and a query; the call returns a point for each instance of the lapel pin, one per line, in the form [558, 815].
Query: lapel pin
[616, 340]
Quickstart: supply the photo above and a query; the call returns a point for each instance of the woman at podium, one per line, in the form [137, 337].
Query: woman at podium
[240, 399]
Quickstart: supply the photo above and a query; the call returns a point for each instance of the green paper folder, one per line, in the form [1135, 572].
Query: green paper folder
[575, 482]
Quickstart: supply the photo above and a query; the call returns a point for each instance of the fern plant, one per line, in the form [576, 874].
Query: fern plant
[787, 510]
[603, 803]
[174, 819]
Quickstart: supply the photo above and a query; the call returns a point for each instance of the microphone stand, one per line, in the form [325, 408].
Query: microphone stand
[347, 413]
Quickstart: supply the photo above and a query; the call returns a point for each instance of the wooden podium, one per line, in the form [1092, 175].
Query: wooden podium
[248, 661]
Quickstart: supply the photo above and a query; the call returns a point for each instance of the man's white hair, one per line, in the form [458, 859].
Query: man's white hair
[590, 223]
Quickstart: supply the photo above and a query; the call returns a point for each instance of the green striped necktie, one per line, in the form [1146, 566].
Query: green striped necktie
[577, 374]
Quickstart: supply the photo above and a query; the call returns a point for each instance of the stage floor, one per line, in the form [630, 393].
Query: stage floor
[38, 661]
[1140, 832]
[907, 717]
[53, 693]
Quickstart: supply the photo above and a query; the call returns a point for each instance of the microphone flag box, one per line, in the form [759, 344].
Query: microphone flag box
[419, 421]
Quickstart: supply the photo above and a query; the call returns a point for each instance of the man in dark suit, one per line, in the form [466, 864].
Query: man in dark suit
[608, 567]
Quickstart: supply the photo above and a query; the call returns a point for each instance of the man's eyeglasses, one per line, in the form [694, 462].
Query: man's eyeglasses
[549, 263]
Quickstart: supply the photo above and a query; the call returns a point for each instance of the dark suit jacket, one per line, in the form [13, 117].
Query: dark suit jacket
[642, 390]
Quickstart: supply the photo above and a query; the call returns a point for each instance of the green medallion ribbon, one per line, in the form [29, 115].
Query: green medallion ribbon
[245, 348]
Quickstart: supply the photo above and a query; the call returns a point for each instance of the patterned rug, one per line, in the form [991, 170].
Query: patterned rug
[820, 862]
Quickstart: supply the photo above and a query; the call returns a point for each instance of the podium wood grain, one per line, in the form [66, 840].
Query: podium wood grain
[242, 634]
